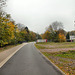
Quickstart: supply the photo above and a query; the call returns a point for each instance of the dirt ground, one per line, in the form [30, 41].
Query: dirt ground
[54, 48]
[57, 50]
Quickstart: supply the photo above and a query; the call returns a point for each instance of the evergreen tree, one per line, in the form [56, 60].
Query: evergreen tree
[68, 36]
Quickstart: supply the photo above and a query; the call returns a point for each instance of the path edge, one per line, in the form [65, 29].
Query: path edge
[56, 67]
[7, 58]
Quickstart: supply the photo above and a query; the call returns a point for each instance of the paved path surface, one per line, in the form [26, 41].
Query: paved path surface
[28, 61]
[8, 52]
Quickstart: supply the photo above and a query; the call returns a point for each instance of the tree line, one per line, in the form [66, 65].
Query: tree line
[11, 33]
[55, 32]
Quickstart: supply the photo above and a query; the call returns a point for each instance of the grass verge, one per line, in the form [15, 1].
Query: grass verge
[57, 45]
[64, 60]
[7, 47]
[40, 47]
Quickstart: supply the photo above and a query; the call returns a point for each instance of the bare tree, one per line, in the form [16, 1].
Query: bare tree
[57, 25]
[20, 26]
[50, 29]
[2, 4]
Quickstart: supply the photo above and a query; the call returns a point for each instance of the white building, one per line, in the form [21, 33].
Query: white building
[72, 37]
[42, 40]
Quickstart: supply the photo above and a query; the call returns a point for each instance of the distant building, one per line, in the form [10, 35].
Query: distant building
[72, 37]
[42, 40]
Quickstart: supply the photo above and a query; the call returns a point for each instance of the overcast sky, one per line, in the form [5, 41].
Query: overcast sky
[39, 14]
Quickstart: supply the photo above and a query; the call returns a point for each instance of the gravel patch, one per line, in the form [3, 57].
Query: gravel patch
[57, 49]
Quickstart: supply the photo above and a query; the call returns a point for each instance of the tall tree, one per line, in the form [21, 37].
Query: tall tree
[53, 31]
[6, 31]
[46, 35]
[68, 36]
[57, 25]
[26, 28]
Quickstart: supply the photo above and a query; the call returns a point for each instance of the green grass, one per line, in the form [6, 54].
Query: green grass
[68, 54]
[40, 47]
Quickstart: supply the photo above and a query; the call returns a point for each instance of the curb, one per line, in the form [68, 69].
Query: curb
[51, 62]
[5, 60]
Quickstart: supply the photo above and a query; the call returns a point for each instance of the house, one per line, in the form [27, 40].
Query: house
[72, 37]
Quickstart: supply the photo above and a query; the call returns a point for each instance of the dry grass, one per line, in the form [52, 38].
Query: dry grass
[7, 47]
[65, 60]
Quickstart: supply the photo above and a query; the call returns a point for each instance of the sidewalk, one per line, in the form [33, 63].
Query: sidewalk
[7, 54]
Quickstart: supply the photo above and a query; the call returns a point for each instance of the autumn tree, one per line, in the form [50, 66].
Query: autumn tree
[62, 38]
[54, 31]
[6, 31]
[10, 32]
[32, 36]
[46, 35]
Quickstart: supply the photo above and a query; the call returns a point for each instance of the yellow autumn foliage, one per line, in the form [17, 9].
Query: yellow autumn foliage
[46, 35]
[62, 38]
[6, 31]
